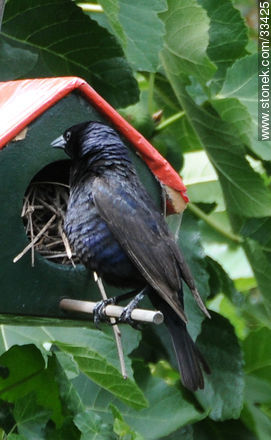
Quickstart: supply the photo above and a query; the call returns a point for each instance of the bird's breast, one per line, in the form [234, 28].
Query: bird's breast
[93, 242]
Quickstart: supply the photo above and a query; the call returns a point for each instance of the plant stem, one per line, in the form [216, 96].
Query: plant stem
[2, 6]
[199, 213]
[150, 93]
[169, 121]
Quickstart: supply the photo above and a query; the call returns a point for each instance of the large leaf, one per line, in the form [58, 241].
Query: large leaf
[15, 61]
[68, 42]
[14, 381]
[237, 103]
[257, 350]
[111, 9]
[190, 243]
[187, 39]
[201, 180]
[258, 230]
[99, 341]
[260, 261]
[224, 387]
[229, 254]
[92, 426]
[96, 356]
[244, 190]
[258, 394]
[17, 382]
[228, 35]
[95, 353]
[142, 28]
[30, 418]
[104, 374]
[168, 408]
[136, 25]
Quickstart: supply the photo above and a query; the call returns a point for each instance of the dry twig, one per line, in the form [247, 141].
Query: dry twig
[115, 327]
[43, 199]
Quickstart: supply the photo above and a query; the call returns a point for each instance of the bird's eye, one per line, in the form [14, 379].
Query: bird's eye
[68, 136]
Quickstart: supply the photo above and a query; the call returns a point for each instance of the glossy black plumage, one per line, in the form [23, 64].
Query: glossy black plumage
[115, 229]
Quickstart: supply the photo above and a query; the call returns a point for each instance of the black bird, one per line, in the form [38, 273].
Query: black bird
[116, 230]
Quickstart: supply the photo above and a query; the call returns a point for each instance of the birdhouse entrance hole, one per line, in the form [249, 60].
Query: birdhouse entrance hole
[43, 213]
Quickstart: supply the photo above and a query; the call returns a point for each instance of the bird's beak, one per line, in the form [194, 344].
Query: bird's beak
[59, 142]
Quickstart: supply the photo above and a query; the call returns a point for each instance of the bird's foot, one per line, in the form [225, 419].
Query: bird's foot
[99, 312]
[126, 317]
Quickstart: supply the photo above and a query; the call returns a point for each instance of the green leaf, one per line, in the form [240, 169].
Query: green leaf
[136, 25]
[111, 9]
[92, 347]
[244, 190]
[257, 393]
[260, 261]
[241, 84]
[168, 407]
[201, 180]
[185, 433]
[15, 61]
[232, 429]
[68, 364]
[257, 350]
[227, 253]
[16, 437]
[101, 372]
[258, 229]
[190, 243]
[224, 387]
[123, 430]
[92, 427]
[143, 28]
[228, 35]
[68, 430]
[168, 145]
[14, 379]
[139, 117]
[17, 382]
[95, 340]
[261, 422]
[69, 43]
[235, 113]
[30, 418]
[45, 336]
[223, 283]
[96, 355]
[257, 390]
[186, 39]
[70, 400]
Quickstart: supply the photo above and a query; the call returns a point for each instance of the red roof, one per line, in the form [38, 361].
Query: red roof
[24, 100]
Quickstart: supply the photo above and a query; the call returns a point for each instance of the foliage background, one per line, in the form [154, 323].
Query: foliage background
[196, 61]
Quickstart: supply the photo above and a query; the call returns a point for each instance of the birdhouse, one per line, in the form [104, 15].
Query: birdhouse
[32, 114]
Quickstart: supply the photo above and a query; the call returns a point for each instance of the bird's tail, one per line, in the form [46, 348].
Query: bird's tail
[189, 358]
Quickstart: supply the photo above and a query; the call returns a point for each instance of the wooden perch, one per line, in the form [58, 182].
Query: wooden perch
[112, 311]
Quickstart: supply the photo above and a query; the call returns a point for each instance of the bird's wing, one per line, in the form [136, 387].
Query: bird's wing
[140, 230]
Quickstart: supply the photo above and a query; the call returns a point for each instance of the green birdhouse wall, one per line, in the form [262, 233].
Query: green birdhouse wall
[37, 291]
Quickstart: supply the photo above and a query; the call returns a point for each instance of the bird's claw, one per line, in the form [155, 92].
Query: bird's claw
[99, 312]
[125, 317]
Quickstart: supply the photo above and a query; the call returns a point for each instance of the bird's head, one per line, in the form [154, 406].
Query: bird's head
[89, 139]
